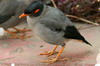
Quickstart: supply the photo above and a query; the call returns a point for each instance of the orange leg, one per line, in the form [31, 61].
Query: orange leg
[56, 59]
[50, 53]
[21, 31]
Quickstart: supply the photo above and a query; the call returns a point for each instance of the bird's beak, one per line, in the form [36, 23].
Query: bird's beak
[23, 15]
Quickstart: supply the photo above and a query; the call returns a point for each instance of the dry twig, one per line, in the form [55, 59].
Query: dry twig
[54, 3]
[87, 21]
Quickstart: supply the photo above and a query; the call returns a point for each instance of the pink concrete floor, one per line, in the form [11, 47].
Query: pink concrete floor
[26, 52]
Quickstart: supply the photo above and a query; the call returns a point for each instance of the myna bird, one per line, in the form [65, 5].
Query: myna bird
[9, 13]
[52, 26]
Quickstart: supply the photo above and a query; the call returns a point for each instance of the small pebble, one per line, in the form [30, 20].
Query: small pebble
[41, 46]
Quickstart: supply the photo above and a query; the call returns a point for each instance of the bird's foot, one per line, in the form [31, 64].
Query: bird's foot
[13, 37]
[49, 53]
[22, 37]
[18, 34]
[21, 30]
[53, 60]
[50, 61]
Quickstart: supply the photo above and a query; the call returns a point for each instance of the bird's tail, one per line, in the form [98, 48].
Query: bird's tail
[86, 42]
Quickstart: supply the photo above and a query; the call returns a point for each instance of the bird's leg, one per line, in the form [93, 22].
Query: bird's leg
[51, 52]
[56, 59]
[21, 31]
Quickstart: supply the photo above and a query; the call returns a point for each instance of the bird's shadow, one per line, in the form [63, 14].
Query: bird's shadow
[78, 55]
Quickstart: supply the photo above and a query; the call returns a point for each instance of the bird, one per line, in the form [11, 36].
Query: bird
[52, 26]
[9, 12]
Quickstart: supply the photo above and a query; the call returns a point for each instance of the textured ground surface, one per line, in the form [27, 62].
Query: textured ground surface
[26, 53]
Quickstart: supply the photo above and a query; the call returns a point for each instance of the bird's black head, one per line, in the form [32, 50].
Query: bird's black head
[34, 9]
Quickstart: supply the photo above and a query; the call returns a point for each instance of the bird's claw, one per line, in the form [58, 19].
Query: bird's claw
[21, 30]
[13, 37]
[49, 53]
[22, 37]
[54, 60]
[50, 61]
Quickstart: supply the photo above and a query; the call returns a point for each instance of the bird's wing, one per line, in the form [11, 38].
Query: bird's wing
[61, 24]
[57, 21]
[7, 10]
[4, 18]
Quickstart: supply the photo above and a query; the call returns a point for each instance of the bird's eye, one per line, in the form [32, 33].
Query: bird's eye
[36, 11]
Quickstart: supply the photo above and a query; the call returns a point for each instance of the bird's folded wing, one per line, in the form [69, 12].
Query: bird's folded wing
[7, 10]
[55, 20]
[4, 18]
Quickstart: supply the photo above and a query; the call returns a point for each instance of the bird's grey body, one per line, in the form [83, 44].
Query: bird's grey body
[9, 12]
[50, 24]
[45, 26]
